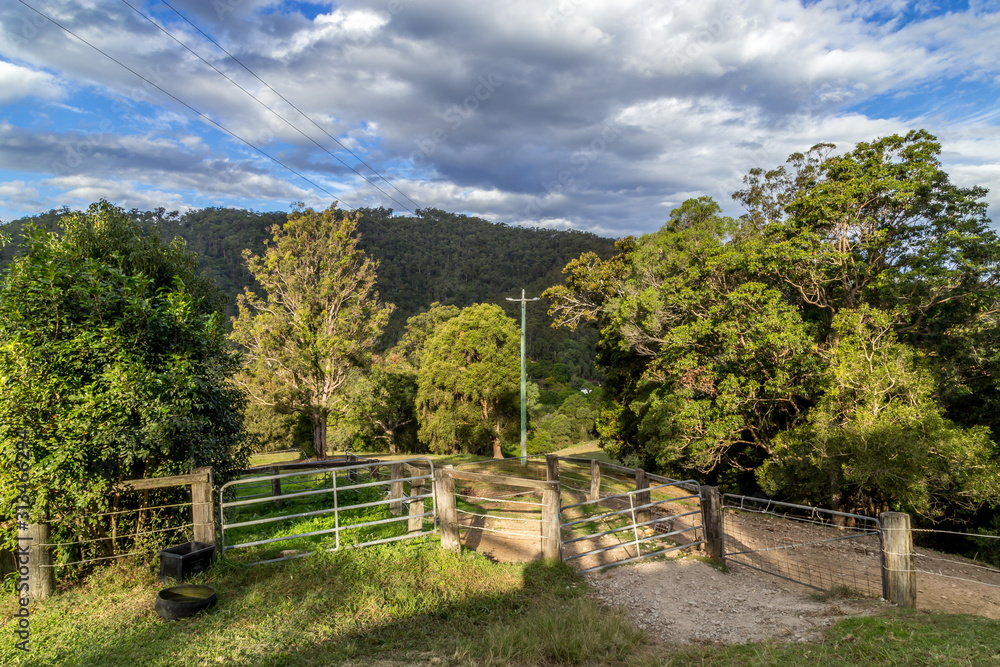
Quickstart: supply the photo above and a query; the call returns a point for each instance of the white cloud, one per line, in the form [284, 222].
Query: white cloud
[20, 82]
[702, 90]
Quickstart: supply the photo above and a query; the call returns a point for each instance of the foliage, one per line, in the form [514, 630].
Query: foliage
[433, 257]
[876, 437]
[468, 381]
[319, 320]
[275, 431]
[726, 344]
[383, 407]
[113, 365]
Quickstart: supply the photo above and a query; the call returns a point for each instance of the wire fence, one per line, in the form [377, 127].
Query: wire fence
[930, 563]
[133, 523]
[818, 548]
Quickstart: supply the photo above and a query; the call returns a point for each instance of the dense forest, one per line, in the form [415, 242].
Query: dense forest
[432, 257]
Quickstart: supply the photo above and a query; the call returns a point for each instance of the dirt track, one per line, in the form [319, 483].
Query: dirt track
[681, 600]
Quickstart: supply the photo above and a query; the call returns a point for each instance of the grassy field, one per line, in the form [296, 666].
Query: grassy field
[417, 604]
[412, 603]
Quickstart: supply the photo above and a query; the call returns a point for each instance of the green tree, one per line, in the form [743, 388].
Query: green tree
[114, 365]
[320, 317]
[877, 440]
[719, 337]
[468, 381]
[383, 406]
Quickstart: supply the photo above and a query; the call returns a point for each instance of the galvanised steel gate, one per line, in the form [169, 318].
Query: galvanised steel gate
[620, 528]
[355, 505]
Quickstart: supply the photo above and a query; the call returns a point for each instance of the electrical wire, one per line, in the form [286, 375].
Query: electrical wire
[261, 102]
[185, 104]
[289, 103]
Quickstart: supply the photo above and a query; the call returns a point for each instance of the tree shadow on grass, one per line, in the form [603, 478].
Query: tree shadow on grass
[413, 604]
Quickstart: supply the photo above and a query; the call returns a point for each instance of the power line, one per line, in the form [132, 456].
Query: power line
[260, 102]
[304, 115]
[182, 102]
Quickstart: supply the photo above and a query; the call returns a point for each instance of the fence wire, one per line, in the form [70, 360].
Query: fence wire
[131, 523]
[818, 548]
[956, 567]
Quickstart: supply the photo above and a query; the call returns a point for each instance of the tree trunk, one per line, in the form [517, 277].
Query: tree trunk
[497, 453]
[319, 433]
[836, 499]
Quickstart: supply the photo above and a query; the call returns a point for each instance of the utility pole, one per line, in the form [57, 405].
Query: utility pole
[524, 381]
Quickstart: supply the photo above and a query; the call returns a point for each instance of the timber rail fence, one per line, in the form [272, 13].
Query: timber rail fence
[137, 526]
[588, 512]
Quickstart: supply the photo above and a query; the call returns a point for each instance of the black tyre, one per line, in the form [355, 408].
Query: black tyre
[183, 601]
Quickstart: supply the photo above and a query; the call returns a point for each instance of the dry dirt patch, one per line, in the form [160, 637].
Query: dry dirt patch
[685, 601]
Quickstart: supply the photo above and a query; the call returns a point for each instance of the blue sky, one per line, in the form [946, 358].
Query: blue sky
[573, 114]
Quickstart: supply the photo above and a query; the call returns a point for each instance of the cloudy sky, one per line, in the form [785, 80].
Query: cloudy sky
[584, 114]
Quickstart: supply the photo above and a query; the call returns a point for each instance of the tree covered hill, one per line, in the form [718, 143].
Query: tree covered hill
[434, 256]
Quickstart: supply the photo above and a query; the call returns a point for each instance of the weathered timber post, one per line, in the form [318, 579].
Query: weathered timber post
[202, 508]
[642, 498]
[276, 485]
[595, 480]
[396, 489]
[444, 486]
[551, 468]
[551, 524]
[416, 507]
[711, 521]
[899, 581]
[34, 558]
[352, 475]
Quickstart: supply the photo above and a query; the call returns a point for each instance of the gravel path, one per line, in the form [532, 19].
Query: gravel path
[685, 601]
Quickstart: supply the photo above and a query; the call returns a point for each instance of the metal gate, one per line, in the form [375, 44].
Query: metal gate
[611, 529]
[815, 547]
[327, 508]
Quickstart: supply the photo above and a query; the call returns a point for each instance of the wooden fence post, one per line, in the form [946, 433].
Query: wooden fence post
[711, 521]
[202, 508]
[595, 480]
[276, 485]
[642, 498]
[352, 475]
[899, 580]
[551, 524]
[551, 468]
[34, 558]
[416, 524]
[396, 489]
[447, 510]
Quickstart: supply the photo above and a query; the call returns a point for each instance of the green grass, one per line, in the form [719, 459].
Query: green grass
[402, 603]
[897, 638]
[586, 450]
[407, 604]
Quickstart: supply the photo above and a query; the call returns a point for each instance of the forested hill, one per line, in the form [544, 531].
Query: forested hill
[434, 256]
